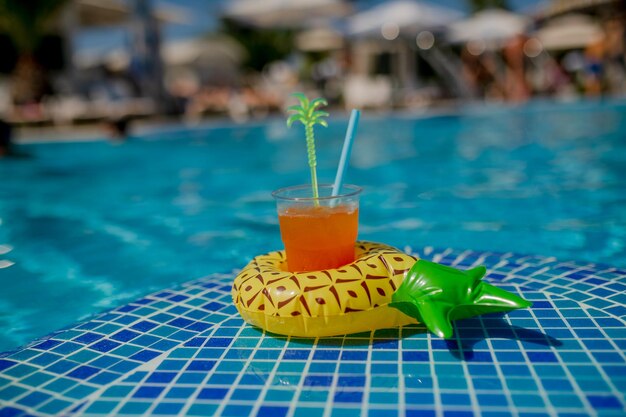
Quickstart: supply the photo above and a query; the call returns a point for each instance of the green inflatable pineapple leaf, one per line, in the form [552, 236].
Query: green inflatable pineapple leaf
[436, 295]
[307, 113]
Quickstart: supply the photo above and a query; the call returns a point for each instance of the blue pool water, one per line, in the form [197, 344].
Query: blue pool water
[88, 226]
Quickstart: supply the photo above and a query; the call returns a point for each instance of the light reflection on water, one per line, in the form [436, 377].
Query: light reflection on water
[91, 225]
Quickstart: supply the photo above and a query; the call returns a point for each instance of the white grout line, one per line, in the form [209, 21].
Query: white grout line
[368, 375]
[605, 377]
[272, 374]
[433, 375]
[88, 400]
[470, 383]
[497, 365]
[202, 385]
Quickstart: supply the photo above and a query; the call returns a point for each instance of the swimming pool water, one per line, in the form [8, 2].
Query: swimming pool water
[88, 226]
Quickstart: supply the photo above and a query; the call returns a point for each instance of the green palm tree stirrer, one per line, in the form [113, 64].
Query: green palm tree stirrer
[308, 114]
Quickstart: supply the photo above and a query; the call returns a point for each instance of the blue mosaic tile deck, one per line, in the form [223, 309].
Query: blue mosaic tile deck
[186, 352]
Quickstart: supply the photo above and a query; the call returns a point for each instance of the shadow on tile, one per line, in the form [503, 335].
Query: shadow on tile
[472, 332]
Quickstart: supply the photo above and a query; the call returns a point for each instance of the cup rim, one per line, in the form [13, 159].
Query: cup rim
[354, 190]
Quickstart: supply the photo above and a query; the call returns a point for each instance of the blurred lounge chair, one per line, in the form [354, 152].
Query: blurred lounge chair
[368, 92]
[75, 110]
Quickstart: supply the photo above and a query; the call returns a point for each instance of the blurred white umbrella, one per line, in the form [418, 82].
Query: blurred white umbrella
[217, 50]
[401, 16]
[569, 32]
[319, 39]
[284, 13]
[489, 26]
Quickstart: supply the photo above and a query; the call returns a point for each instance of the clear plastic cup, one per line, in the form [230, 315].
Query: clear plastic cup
[318, 233]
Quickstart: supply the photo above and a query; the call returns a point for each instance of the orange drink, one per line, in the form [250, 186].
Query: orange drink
[319, 237]
[318, 233]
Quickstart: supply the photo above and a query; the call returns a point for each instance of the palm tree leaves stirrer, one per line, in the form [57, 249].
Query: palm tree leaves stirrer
[308, 113]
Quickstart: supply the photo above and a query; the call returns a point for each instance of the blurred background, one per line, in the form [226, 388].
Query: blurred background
[75, 62]
[465, 140]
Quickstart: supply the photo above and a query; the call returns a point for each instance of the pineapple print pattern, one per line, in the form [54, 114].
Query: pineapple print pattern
[263, 286]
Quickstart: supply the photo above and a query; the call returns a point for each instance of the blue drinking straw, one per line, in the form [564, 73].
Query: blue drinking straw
[347, 149]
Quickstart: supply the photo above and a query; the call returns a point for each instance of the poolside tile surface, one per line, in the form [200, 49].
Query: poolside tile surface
[186, 352]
